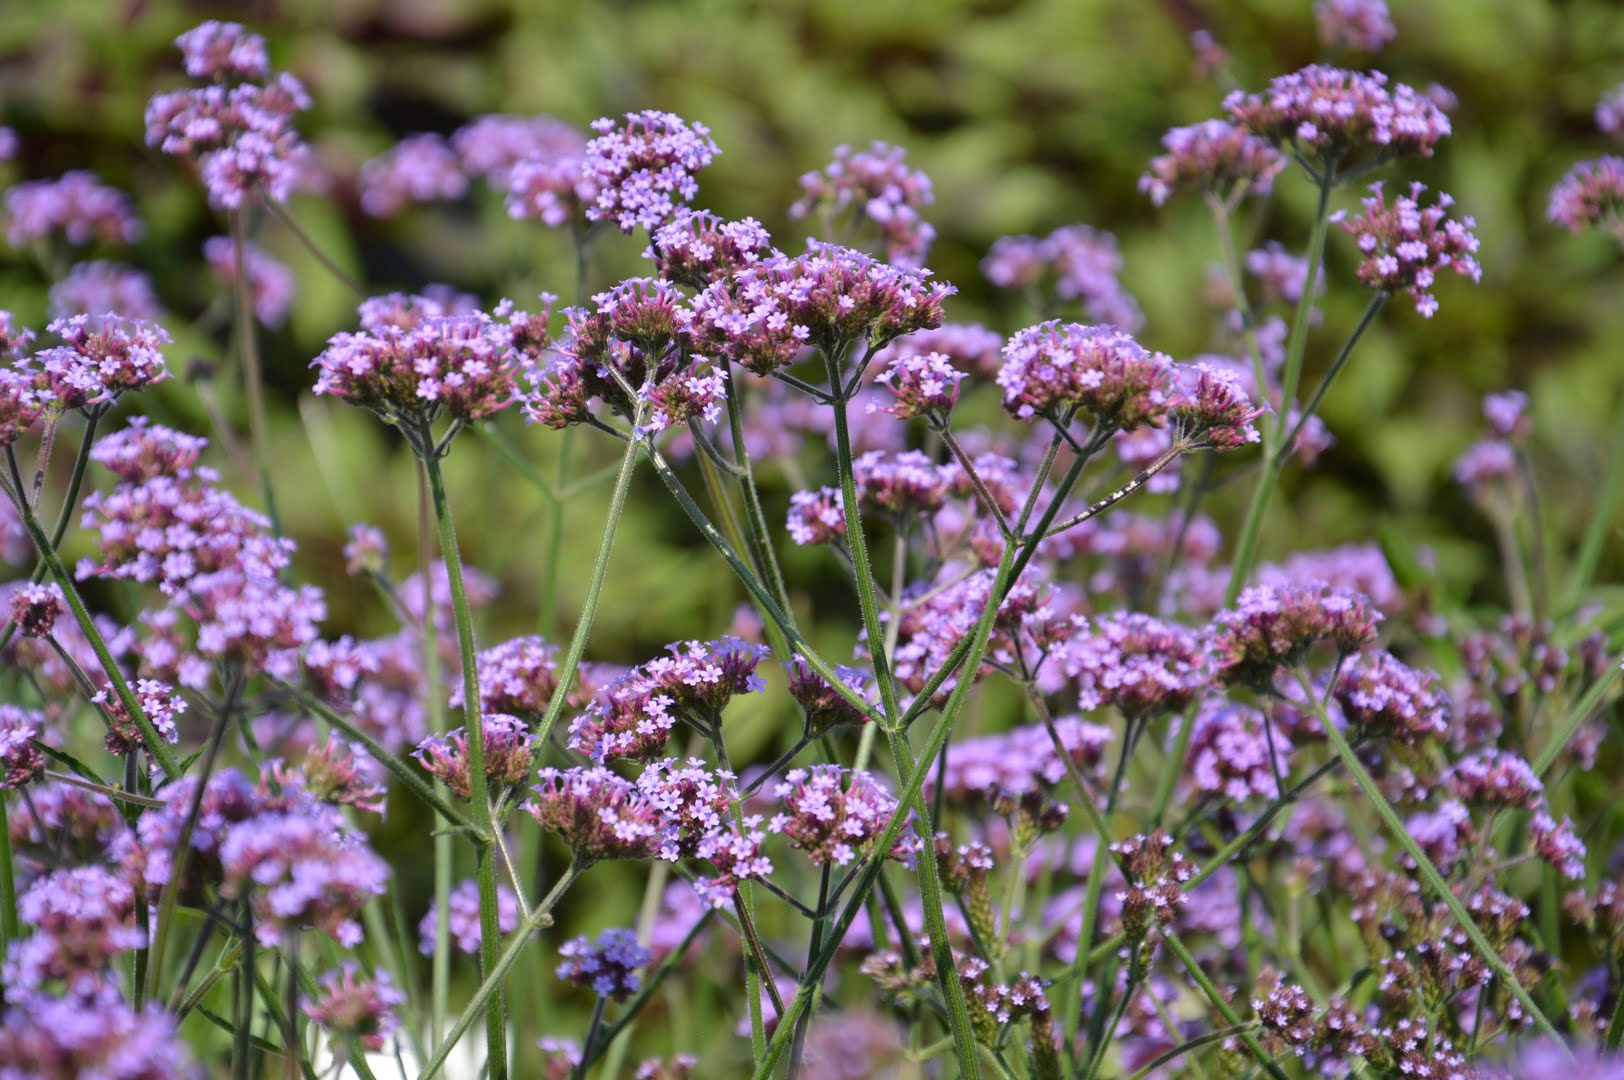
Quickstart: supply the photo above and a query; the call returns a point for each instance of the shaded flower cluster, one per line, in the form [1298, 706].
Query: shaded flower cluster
[878, 186]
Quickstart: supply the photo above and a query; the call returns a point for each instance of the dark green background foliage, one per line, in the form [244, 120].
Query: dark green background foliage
[1026, 116]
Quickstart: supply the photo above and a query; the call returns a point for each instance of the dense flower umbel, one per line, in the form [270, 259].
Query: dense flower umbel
[22, 402]
[878, 185]
[1591, 196]
[830, 297]
[696, 248]
[355, 1008]
[1276, 626]
[692, 800]
[1212, 410]
[464, 917]
[834, 814]
[1215, 158]
[493, 146]
[1330, 115]
[157, 699]
[62, 1039]
[1354, 24]
[461, 364]
[924, 385]
[1057, 369]
[598, 814]
[509, 752]
[735, 851]
[1405, 245]
[223, 50]
[418, 169]
[1136, 663]
[645, 167]
[823, 708]
[145, 450]
[104, 288]
[607, 966]
[516, 677]
[34, 608]
[1230, 752]
[77, 205]
[270, 284]
[80, 920]
[1156, 875]
[21, 762]
[1384, 697]
[1084, 264]
[240, 133]
[101, 357]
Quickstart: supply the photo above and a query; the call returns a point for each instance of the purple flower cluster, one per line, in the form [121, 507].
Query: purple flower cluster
[76, 205]
[1330, 115]
[696, 248]
[270, 284]
[517, 677]
[1382, 696]
[495, 145]
[598, 814]
[509, 754]
[1056, 370]
[418, 169]
[1213, 410]
[61, 1038]
[834, 814]
[238, 130]
[924, 384]
[80, 919]
[356, 1008]
[21, 762]
[1215, 158]
[1591, 196]
[1156, 876]
[608, 966]
[1275, 626]
[878, 186]
[34, 608]
[104, 288]
[463, 918]
[823, 708]
[1232, 755]
[1084, 264]
[1135, 663]
[1405, 245]
[1364, 25]
[100, 358]
[645, 167]
[1022, 760]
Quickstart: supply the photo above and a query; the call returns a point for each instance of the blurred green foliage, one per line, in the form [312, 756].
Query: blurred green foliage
[1026, 116]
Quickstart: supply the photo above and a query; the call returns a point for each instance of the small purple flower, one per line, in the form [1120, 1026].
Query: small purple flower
[1057, 369]
[21, 762]
[1507, 414]
[697, 248]
[1487, 470]
[418, 169]
[1212, 409]
[1384, 697]
[80, 920]
[1280, 275]
[598, 814]
[34, 608]
[77, 205]
[1496, 778]
[493, 146]
[104, 288]
[356, 1008]
[1330, 115]
[735, 851]
[1022, 760]
[1276, 626]
[816, 517]
[834, 814]
[823, 708]
[1559, 845]
[1610, 111]
[464, 918]
[509, 752]
[877, 186]
[367, 552]
[1591, 196]
[1406, 245]
[23, 400]
[223, 50]
[1156, 875]
[270, 283]
[1213, 157]
[337, 772]
[971, 347]
[692, 799]
[1363, 25]
[924, 385]
[645, 167]
[1135, 663]
[517, 677]
[160, 703]
[608, 966]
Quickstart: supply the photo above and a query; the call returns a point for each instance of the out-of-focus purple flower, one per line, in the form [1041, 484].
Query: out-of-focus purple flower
[1487, 469]
[517, 677]
[464, 917]
[223, 50]
[1405, 245]
[1507, 414]
[366, 551]
[356, 1008]
[1084, 263]
[480, 587]
[1543, 1059]
[1591, 196]
[696, 248]
[34, 608]
[14, 337]
[1020, 761]
[971, 347]
[21, 762]
[1332, 116]
[878, 186]
[337, 772]
[1280, 275]
[1363, 25]
[59, 1038]
[1276, 626]
[22, 401]
[607, 966]
[1215, 158]
[1558, 844]
[645, 167]
[509, 752]
[493, 145]
[1386, 698]
[144, 451]
[597, 813]
[555, 190]
[834, 814]
[1057, 369]
[80, 919]
[77, 205]
[270, 283]
[104, 288]
[300, 867]
[8, 143]
[1231, 755]
[1210, 57]
[1360, 568]
[1610, 111]
[816, 517]
[145, 854]
[418, 169]
[823, 708]
[1135, 663]
[1496, 778]
[924, 384]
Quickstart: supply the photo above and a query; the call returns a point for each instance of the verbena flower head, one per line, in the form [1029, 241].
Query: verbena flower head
[76, 205]
[1020, 761]
[461, 365]
[1276, 626]
[145, 854]
[34, 608]
[607, 966]
[144, 451]
[1280, 275]
[1212, 409]
[1082, 264]
[270, 283]
[1558, 844]
[509, 752]
[834, 814]
[1331, 116]
[971, 347]
[463, 918]
[902, 487]
[100, 358]
[924, 385]
[21, 762]
[1383, 697]
[629, 718]
[223, 50]
[337, 772]
[14, 337]
[1156, 875]
[823, 708]
[367, 552]
[696, 248]
[1610, 111]
[1406, 245]
[23, 400]
[692, 799]
[1230, 753]
[355, 1008]
[1488, 471]
[598, 814]
[553, 189]
[645, 167]
[1496, 778]
[104, 288]
[160, 703]
[1057, 369]
[418, 169]
[735, 851]
[493, 146]
[702, 677]
[80, 919]
[1215, 158]
[517, 677]
[1135, 663]
[1507, 414]
[830, 297]
[300, 867]
[816, 517]
[59, 1038]
[878, 186]
[1363, 25]
[1591, 196]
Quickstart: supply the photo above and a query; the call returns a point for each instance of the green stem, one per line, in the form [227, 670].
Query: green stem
[1222, 213]
[589, 606]
[1372, 309]
[1434, 879]
[1580, 713]
[434, 705]
[1601, 519]
[1298, 341]
[252, 378]
[8, 883]
[474, 728]
[1177, 948]
[755, 516]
